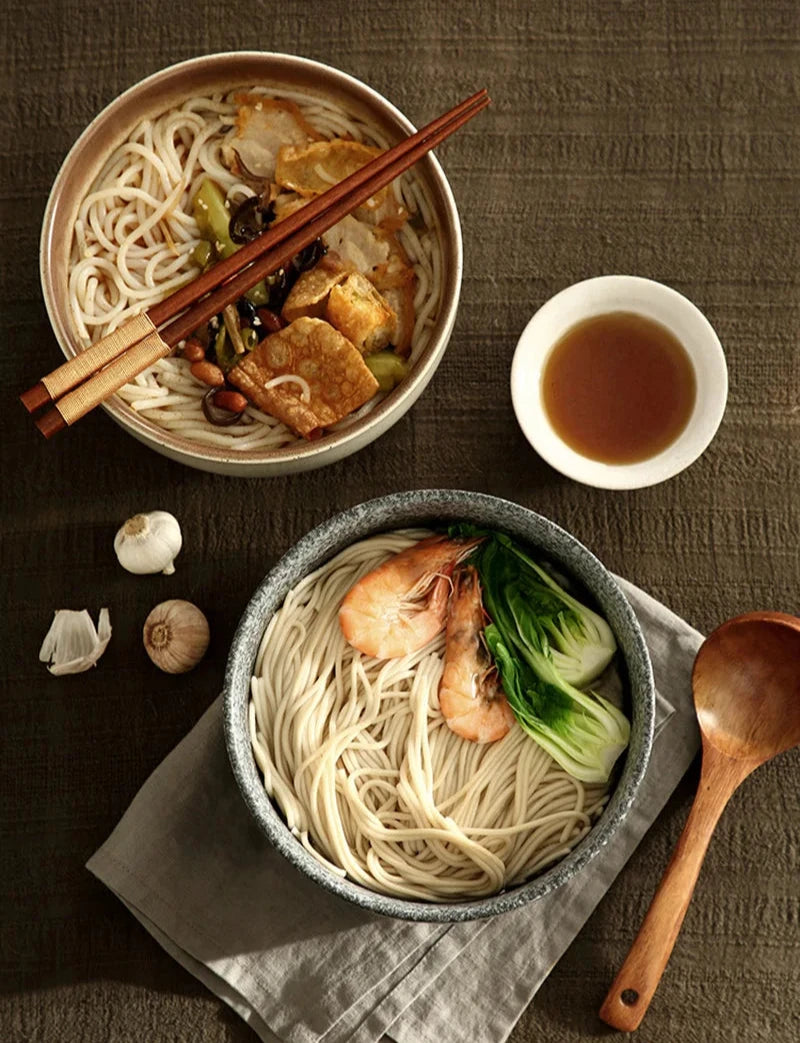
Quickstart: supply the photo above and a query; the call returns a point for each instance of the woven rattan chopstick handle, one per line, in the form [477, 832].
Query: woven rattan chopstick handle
[75, 370]
[94, 391]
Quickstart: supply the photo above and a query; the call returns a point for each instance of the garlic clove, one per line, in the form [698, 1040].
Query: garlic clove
[73, 644]
[176, 636]
[149, 543]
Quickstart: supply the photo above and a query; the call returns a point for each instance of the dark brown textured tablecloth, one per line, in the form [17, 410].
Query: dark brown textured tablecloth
[658, 139]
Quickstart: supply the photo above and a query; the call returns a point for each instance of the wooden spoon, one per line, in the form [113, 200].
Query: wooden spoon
[746, 683]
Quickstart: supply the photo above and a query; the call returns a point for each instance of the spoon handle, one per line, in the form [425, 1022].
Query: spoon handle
[635, 984]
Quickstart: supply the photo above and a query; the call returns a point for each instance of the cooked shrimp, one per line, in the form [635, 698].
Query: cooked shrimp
[470, 696]
[398, 607]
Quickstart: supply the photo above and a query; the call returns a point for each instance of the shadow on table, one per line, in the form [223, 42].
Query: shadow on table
[574, 992]
[147, 997]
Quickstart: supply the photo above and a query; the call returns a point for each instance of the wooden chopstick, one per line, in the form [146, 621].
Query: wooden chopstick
[232, 265]
[106, 364]
[281, 255]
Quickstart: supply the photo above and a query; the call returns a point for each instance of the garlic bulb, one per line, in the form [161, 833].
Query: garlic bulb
[149, 543]
[176, 636]
[72, 644]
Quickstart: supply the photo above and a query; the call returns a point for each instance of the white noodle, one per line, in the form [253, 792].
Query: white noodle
[292, 378]
[357, 755]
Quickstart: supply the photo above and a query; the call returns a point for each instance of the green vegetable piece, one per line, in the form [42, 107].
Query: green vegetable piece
[538, 635]
[579, 641]
[224, 350]
[249, 338]
[467, 530]
[203, 253]
[581, 731]
[213, 217]
[258, 295]
[387, 368]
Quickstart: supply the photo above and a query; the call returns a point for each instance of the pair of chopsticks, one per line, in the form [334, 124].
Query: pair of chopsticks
[86, 380]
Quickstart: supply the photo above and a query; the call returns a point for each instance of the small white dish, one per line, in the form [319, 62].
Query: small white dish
[600, 296]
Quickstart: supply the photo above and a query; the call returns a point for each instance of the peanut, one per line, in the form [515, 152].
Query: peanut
[269, 320]
[230, 400]
[208, 373]
[194, 351]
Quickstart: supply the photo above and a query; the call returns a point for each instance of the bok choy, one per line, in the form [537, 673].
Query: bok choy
[545, 643]
[580, 641]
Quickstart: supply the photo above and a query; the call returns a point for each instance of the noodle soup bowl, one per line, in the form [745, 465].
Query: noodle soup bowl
[224, 73]
[429, 509]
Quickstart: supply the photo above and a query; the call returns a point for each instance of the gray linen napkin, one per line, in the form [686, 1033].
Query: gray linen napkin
[302, 966]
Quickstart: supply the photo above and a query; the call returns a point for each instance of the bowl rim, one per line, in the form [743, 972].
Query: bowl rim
[301, 455]
[598, 295]
[394, 511]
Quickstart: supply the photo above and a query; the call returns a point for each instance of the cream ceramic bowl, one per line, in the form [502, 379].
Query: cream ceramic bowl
[610, 293]
[224, 72]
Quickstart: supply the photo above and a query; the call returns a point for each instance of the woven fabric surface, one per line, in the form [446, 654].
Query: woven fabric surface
[638, 137]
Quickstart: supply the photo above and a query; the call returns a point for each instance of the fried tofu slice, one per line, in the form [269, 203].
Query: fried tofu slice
[358, 311]
[401, 300]
[349, 301]
[397, 283]
[378, 255]
[312, 169]
[308, 375]
[309, 295]
[284, 204]
[263, 126]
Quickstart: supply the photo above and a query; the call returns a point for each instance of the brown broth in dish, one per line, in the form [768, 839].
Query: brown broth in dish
[618, 388]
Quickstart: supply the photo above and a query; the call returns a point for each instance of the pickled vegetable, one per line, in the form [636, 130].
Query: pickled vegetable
[249, 338]
[258, 295]
[387, 368]
[213, 217]
[224, 351]
[203, 254]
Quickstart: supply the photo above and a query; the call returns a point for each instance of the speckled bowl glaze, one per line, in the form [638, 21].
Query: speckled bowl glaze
[432, 507]
[223, 72]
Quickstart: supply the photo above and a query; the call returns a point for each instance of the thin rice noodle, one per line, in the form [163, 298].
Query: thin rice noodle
[357, 755]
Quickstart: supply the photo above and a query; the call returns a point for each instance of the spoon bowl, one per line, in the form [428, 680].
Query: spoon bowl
[746, 684]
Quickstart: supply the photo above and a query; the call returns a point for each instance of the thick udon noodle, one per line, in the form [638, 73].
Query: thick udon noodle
[358, 757]
[135, 232]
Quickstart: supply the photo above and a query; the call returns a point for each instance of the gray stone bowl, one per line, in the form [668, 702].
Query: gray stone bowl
[430, 507]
